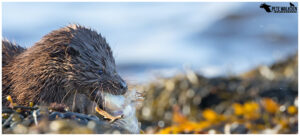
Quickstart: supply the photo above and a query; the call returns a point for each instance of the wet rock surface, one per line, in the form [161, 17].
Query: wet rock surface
[44, 120]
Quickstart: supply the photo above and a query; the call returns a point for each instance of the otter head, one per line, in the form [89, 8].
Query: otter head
[73, 65]
[90, 65]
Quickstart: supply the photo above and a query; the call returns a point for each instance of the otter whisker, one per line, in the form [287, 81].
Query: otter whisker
[113, 84]
[74, 101]
[95, 102]
[103, 99]
[92, 92]
[98, 99]
[112, 92]
[65, 96]
[95, 99]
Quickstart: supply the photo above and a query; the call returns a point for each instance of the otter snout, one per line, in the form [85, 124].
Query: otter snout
[123, 87]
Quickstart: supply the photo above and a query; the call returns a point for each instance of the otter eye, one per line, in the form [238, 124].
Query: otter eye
[100, 72]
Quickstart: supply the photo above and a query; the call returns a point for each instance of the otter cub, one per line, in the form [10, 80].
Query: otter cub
[73, 66]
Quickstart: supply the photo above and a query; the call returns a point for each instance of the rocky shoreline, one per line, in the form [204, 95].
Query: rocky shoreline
[264, 100]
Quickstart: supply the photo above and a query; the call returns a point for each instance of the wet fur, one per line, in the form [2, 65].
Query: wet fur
[62, 68]
[9, 51]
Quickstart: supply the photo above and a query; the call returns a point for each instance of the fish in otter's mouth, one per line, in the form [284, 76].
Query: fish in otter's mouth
[104, 98]
[124, 105]
[120, 109]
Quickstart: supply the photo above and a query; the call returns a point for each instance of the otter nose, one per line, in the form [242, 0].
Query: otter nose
[123, 85]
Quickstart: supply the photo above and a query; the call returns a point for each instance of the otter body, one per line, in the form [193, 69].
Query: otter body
[73, 66]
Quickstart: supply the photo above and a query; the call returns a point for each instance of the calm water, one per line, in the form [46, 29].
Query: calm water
[148, 39]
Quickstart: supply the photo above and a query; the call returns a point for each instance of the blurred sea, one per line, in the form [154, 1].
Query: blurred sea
[161, 39]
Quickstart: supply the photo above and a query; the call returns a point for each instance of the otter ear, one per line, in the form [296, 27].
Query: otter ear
[72, 52]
